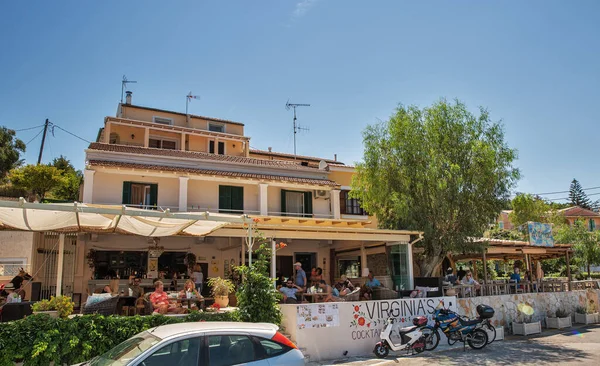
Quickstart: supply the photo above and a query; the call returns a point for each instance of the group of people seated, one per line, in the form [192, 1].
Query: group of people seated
[466, 278]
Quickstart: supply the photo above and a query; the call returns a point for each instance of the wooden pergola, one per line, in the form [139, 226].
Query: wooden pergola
[512, 250]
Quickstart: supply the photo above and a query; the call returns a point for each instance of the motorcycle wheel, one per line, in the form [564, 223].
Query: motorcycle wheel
[432, 338]
[381, 350]
[418, 350]
[477, 339]
[491, 332]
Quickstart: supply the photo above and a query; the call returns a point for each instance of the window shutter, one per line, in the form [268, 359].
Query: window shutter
[126, 193]
[283, 204]
[237, 199]
[221, 148]
[308, 204]
[153, 195]
[343, 195]
[211, 147]
[224, 199]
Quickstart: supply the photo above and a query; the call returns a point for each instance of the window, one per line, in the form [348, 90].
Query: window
[226, 350]
[10, 267]
[231, 199]
[141, 195]
[114, 138]
[183, 352]
[294, 203]
[501, 224]
[592, 225]
[216, 127]
[350, 206]
[159, 143]
[272, 348]
[221, 147]
[162, 120]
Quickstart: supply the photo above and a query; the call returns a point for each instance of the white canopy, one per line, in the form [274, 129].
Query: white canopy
[109, 219]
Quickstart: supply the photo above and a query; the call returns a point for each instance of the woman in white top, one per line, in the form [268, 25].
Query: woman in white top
[198, 277]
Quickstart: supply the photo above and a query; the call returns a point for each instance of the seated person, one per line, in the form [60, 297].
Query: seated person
[367, 290]
[331, 293]
[11, 294]
[160, 301]
[134, 285]
[106, 290]
[190, 287]
[344, 286]
[469, 280]
[515, 277]
[450, 278]
[289, 292]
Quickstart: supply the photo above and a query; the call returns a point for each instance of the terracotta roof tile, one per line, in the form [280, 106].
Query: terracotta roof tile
[576, 211]
[110, 164]
[242, 160]
[302, 157]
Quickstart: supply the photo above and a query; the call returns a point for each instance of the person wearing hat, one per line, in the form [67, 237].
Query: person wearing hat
[450, 277]
[11, 296]
[300, 276]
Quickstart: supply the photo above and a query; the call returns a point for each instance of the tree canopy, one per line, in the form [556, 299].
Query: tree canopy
[37, 179]
[68, 189]
[10, 151]
[586, 243]
[578, 197]
[527, 208]
[441, 170]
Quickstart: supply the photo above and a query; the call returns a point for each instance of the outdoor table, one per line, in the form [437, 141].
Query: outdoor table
[315, 296]
[193, 300]
[126, 302]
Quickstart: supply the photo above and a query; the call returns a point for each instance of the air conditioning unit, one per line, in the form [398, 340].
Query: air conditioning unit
[321, 194]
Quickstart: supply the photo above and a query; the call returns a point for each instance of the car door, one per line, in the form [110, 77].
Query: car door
[183, 351]
[229, 349]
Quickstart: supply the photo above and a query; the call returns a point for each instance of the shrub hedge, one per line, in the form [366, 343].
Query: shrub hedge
[41, 340]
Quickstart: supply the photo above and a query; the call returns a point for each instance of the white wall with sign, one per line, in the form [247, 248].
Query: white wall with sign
[328, 330]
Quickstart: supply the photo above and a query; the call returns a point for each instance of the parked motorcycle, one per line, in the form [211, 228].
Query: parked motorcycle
[457, 328]
[411, 338]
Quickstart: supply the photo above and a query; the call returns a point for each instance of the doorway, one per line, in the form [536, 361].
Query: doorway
[285, 265]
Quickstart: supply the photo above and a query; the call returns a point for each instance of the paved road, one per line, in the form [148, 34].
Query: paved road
[577, 346]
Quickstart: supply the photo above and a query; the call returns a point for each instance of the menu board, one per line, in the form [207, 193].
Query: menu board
[318, 316]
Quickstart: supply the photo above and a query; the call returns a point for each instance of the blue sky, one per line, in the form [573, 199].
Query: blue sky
[534, 64]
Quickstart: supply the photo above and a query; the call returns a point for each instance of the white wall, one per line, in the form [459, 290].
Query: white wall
[18, 245]
[108, 188]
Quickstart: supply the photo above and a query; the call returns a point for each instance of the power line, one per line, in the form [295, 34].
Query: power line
[34, 137]
[558, 192]
[30, 128]
[72, 134]
[567, 198]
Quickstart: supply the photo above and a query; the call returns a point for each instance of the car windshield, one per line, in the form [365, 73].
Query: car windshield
[123, 353]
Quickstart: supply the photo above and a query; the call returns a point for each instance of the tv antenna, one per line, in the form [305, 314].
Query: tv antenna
[124, 83]
[187, 100]
[289, 105]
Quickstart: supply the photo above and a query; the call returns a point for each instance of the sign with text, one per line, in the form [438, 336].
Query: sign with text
[540, 234]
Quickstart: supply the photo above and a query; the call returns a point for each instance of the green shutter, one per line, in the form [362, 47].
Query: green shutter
[283, 205]
[237, 199]
[153, 195]
[211, 147]
[126, 193]
[343, 195]
[308, 204]
[221, 148]
[224, 199]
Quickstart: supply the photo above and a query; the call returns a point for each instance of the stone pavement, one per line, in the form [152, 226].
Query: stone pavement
[579, 345]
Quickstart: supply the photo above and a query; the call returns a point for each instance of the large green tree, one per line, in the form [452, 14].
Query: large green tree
[68, 189]
[36, 179]
[578, 197]
[10, 151]
[441, 170]
[586, 244]
[526, 208]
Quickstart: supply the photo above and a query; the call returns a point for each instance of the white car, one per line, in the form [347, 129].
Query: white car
[204, 344]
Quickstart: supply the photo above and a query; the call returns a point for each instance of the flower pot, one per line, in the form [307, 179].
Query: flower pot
[586, 318]
[222, 301]
[232, 300]
[526, 328]
[52, 313]
[558, 323]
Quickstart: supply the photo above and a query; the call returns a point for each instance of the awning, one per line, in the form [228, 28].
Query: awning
[74, 217]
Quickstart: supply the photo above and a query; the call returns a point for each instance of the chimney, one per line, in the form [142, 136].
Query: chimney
[128, 97]
[334, 157]
[270, 148]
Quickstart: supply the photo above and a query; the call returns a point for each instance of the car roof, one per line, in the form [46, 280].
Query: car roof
[170, 330]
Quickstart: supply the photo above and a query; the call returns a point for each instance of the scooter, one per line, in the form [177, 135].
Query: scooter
[411, 338]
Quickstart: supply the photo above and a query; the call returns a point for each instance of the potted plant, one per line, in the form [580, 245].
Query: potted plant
[561, 319]
[524, 324]
[220, 289]
[61, 306]
[586, 314]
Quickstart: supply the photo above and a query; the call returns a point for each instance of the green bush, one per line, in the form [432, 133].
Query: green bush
[41, 340]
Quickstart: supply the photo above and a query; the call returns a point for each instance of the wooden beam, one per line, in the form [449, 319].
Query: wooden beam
[568, 270]
[534, 251]
[495, 250]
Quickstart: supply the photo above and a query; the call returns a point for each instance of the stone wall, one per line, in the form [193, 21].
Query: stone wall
[543, 304]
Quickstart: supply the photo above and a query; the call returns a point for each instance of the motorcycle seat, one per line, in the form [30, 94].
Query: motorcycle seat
[469, 322]
[407, 329]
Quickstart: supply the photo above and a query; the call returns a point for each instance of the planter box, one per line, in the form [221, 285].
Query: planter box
[526, 328]
[52, 313]
[586, 318]
[558, 323]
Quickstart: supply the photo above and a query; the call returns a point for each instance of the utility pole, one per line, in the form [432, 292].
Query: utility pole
[43, 140]
[289, 105]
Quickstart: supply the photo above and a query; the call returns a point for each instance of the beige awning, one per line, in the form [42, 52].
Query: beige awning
[76, 217]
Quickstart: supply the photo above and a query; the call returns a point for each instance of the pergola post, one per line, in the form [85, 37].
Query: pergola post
[60, 265]
[484, 268]
[568, 270]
